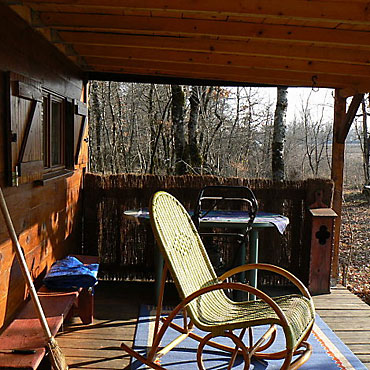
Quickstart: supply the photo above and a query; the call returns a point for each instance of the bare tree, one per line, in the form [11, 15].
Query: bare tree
[141, 128]
[95, 142]
[193, 148]
[178, 102]
[278, 139]
[317, 134]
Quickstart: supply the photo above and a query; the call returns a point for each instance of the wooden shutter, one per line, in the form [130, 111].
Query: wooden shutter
[24, 129]
[79, 128]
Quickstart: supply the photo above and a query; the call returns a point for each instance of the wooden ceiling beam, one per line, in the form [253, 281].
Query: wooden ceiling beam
[249, 47]
[201, 78]
[175, 76]
[152, 55]
[201, 28]
[355, 12]
[241, 74]
[141, 78]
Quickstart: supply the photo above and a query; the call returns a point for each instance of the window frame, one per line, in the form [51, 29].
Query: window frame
[49, 98]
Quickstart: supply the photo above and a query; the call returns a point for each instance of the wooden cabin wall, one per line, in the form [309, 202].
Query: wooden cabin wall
[47, 217]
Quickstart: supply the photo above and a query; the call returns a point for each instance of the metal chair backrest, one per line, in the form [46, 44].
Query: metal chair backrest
[218, 197]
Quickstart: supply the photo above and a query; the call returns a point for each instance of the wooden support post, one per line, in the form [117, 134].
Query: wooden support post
[337, 175]
[342, 124]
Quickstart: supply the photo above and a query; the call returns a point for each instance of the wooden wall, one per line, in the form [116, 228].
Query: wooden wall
[47, 217]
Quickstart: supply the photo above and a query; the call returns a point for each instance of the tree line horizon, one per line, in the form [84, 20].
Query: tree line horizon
[214, 130]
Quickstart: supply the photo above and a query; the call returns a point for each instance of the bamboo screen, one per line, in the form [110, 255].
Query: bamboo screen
[127, 249]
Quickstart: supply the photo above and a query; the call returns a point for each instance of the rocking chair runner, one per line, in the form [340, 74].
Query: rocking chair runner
[204, 300]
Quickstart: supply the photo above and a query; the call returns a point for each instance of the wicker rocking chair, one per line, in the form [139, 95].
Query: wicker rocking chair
[206, 306]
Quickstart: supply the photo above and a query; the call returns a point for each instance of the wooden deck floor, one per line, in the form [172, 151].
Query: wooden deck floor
[349, 317]
[97, 346]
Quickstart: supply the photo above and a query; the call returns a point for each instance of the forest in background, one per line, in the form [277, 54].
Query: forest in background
[229, 132]
[223, 131]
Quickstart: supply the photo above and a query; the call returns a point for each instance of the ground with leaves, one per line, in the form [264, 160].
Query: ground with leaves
[354, 254]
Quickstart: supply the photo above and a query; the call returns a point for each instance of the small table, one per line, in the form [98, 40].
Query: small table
[223, 219]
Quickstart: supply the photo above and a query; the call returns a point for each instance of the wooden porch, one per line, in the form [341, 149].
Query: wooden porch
[98, 346]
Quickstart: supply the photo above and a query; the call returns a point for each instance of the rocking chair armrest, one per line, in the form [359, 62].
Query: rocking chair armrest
[268, 267]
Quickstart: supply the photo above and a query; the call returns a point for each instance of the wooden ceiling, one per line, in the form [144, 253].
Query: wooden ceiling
[258, 42]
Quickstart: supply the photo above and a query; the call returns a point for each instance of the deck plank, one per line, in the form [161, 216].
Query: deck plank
[97, 346]
[348, 316]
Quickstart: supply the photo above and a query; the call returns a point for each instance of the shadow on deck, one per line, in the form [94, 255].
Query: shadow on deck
[97, 346]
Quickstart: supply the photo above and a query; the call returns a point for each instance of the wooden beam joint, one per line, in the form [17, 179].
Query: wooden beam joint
[348, 119]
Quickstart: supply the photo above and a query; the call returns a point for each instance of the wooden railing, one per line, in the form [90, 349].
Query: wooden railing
[127, 249]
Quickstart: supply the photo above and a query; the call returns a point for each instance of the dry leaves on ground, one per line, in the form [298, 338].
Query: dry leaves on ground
[354, 249]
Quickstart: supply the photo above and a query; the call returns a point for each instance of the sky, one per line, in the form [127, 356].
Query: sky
[318, 99]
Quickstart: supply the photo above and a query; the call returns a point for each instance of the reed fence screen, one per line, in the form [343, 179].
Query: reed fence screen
[127, 249]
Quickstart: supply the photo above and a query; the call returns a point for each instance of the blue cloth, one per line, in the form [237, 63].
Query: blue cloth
[71, 273]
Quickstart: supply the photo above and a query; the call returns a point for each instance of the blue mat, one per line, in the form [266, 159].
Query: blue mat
[329, 352]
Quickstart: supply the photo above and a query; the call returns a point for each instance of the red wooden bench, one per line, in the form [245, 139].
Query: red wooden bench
[25, 334]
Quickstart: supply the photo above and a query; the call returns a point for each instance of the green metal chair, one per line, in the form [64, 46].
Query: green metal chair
[206, 306]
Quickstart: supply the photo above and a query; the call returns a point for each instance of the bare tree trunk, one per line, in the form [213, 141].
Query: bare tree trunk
[112, 108]
[211, 136]
[279, 134]
[164, 113]
[178, 102]
[153, 134]
[95, 108]
[193, 149]
[235, 123]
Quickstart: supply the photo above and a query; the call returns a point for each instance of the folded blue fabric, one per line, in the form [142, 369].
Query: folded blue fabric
[71, 273]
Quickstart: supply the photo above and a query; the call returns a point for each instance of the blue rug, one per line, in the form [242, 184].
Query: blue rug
[329, 352]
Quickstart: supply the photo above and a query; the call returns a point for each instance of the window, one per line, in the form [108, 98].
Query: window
[53, 132]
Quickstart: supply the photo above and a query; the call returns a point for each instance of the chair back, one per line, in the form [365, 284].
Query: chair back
[182, 249]
[225, 197]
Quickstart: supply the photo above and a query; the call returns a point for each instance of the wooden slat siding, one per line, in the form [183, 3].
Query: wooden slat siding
[234, 48]
[56, 71]
[123, 54]
[27, 53]
[30, 241]
[299, 32]
[334, 11]
[46, 219]
[222, 29]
